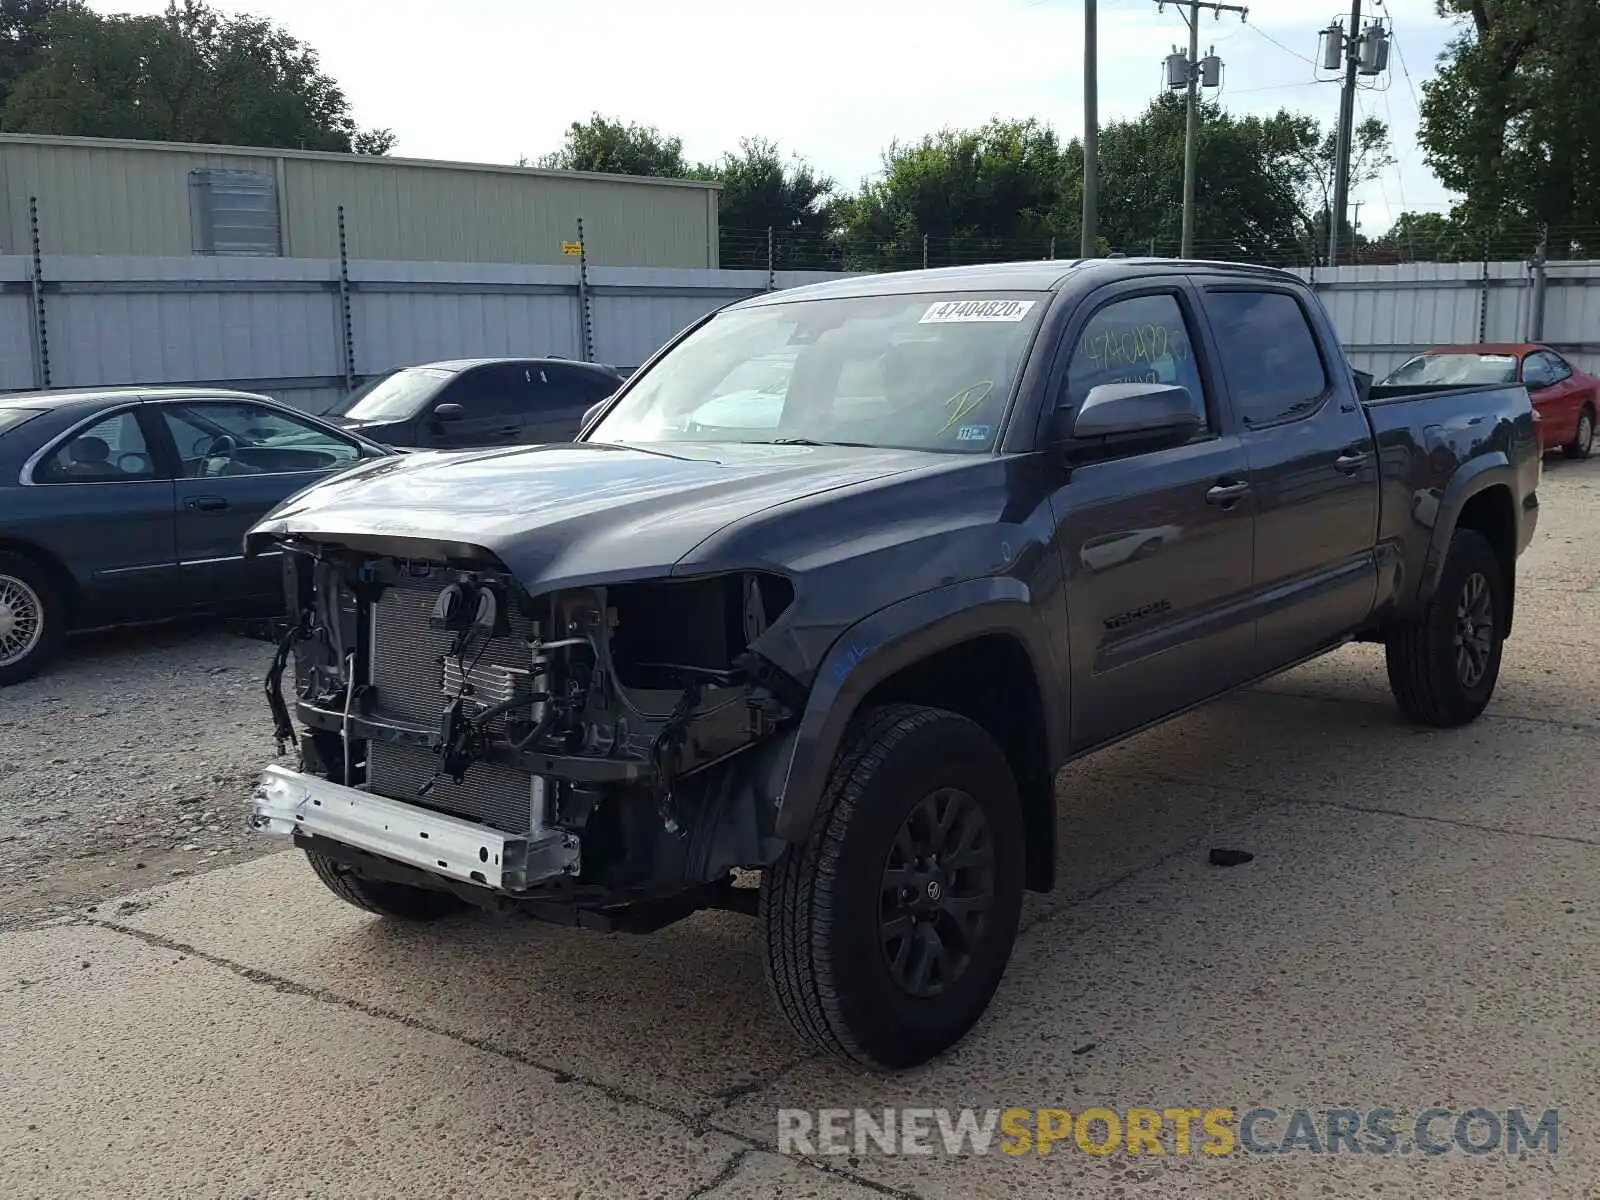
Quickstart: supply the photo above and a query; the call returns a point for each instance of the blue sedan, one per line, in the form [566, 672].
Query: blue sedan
[130, 505]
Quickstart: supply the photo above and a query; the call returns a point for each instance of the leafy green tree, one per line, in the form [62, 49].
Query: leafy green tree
[973, 192]
[1263, 190]
[616, 147]
[192, 74]
[1424, 237]
[762, 190]
[24, 35]
[1511, 118]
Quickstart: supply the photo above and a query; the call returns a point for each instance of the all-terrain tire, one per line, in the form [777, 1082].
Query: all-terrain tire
[1434, 681]
[825, 931]
[1582, 443]
[33, 617]
[381, 896]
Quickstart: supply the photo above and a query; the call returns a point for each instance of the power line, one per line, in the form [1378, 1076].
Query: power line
[1262, 32]
[1401, 55]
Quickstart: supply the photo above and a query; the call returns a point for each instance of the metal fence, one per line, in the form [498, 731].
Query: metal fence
[1385, 314]
[306, 330]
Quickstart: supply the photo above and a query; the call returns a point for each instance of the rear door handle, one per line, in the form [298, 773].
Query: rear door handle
[1227, 493]
[1350, 461]
[206, 503]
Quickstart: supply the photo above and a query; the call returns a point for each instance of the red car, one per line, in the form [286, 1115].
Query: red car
[1565, 398]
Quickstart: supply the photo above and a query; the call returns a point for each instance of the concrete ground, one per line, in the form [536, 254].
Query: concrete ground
[1418, 928]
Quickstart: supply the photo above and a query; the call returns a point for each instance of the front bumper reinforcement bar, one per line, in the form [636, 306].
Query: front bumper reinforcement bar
[285, 801]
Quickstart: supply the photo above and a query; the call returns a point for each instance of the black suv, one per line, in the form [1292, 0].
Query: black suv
[477, 402]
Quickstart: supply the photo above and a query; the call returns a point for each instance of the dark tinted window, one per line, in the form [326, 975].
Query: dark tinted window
[1545, 368]
[567, 386]
[497, 390]
[1143, 339]
[1536, 371]
[1269, 355]
[109, 451]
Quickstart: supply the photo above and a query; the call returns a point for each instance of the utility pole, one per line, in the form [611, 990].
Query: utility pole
[1362, 52]
[1091, 132]
[1190, 129]
[1347, 120]
[1192, 73]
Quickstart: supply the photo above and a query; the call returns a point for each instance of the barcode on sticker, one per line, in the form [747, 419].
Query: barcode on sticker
[947, 312]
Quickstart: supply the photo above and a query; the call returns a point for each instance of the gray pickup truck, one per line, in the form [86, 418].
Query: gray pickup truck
[833, 587]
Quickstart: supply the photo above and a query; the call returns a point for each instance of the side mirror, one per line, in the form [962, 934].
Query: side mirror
[449, 411]
[1130, 416]
[593, 411]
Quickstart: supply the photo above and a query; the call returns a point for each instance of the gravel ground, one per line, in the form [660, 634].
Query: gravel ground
[129, 761]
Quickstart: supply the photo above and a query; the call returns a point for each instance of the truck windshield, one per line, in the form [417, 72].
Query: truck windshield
[925, 372]
[1455, 370]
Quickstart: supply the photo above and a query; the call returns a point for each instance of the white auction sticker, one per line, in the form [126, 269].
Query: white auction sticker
[947, 312]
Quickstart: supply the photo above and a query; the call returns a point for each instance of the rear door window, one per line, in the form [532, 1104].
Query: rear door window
[1269, 355]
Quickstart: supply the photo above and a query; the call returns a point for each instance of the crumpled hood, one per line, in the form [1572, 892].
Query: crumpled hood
[564, 515]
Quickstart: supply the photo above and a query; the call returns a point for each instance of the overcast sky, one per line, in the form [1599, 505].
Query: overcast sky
[834, 80]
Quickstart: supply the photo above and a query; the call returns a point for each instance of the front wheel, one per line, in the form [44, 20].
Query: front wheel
[1582, 443]
[887, 930]
[1443, 663]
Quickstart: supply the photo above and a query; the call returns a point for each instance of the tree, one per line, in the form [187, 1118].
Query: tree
[1247, 192]
[24, 35]
[1424, 237]
[985, 191]
[1511, 118]
[615, 147]
[762, 191]
[192, 74]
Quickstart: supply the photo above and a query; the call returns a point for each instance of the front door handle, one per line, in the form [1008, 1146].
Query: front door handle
[206, 503]
[1350, 461]
[1227, 492]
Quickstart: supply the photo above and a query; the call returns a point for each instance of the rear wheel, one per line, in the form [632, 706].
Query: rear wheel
[32, 617]
[1444, 662]
[398, 900]
[1582, 442]
[887, 930]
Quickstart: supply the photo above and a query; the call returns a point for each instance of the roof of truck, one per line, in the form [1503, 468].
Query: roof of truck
[1044, 275]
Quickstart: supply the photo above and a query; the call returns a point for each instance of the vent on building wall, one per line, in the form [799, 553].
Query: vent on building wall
[233, 212]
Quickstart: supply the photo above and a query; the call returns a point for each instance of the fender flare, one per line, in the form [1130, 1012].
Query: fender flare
[1471, 478]
[896, 637]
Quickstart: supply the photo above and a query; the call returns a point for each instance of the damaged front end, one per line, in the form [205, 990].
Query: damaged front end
[583, 754]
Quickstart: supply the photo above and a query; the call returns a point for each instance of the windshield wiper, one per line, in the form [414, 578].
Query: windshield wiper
[805, 441]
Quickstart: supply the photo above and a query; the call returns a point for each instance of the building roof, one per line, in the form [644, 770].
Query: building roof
[89, 143]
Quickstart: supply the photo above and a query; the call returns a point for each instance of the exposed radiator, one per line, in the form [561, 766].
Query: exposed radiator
[409, 671]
